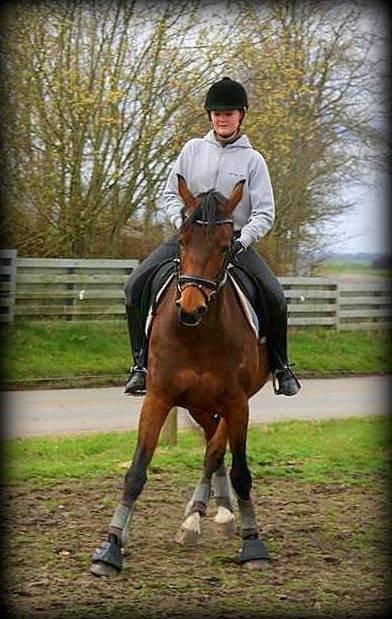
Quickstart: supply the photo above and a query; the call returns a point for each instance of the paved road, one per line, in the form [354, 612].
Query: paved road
[65, 411]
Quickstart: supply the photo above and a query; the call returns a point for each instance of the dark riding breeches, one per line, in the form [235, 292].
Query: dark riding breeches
[137, 291]
[136, 294]
[271, 309]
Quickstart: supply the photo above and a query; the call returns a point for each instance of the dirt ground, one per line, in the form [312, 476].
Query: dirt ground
[328, 543]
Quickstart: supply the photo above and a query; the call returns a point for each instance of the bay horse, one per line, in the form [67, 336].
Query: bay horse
[203, 356]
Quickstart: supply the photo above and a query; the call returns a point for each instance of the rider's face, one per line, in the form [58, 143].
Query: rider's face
[226, 123]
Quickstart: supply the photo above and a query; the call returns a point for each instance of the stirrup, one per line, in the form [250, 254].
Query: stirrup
[275, 380]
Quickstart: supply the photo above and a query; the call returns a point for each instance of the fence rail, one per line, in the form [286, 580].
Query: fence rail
[85, 289]
[8, 284]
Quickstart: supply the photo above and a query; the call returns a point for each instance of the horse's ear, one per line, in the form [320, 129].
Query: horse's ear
[235, 196]
[187, 197]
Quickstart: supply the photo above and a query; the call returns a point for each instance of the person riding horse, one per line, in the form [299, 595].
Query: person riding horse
[219, 159]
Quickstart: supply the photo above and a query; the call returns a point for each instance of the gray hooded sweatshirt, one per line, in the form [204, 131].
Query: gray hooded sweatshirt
[206, 164]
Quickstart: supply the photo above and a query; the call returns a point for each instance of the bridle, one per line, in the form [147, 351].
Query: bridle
[187, 280]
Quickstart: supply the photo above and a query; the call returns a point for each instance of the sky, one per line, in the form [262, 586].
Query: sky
[365, 228]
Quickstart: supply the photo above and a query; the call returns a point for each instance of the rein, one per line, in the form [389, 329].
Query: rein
[187, 280]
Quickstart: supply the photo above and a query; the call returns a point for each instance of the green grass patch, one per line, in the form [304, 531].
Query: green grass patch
[339, 450]
[97, 352]
[324, 351]
[340, 268]
[53, 349]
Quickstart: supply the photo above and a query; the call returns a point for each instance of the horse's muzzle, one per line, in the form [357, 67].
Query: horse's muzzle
[191, 319]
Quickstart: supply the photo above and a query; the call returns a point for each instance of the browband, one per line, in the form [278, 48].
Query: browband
[198, 281]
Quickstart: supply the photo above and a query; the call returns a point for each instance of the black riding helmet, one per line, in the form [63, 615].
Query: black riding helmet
[226, 94]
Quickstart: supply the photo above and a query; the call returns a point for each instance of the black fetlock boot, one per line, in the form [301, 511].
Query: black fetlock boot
[136, 383]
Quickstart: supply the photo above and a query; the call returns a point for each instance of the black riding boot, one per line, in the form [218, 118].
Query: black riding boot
[283, 379]
[271, 309]
[136, 383]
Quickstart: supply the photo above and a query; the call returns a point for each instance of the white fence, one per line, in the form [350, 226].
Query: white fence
[92, 289]
[364, 304]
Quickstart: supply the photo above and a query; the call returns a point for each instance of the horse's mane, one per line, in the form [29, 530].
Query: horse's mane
[209, 209]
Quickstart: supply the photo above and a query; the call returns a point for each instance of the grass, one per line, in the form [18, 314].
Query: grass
[53, 349]
[324, 351]
[338, 450]
[341, 268]
[76, 353]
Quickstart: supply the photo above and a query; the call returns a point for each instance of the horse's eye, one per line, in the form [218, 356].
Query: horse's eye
[225, 249]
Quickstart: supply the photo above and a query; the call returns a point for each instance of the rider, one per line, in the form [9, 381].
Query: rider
[220, 159]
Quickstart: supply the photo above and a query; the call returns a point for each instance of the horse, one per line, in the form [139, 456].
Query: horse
[204, 357]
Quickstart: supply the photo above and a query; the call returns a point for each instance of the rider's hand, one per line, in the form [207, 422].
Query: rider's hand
[237, 248]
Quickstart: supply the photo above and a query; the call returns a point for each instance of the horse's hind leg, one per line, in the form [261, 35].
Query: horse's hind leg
[224, 501]
[107, 560]
[215, 433]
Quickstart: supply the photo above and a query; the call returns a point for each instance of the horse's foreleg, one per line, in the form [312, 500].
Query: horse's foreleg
[253, 552]
[107, 560]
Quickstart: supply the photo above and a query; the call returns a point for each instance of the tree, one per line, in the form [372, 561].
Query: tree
[312, 115]
[98, 99]
[94, 89]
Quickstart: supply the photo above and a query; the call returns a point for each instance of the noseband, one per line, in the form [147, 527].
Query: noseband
[186, 280]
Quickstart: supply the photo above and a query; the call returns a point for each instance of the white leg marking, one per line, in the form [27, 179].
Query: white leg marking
[189, 534]
[223, 515]
[224, 520]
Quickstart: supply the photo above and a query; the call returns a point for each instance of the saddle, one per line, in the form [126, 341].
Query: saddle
[246, 287]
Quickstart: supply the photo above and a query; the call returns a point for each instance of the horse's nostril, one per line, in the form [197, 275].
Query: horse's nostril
[202, 310]
[178, 303]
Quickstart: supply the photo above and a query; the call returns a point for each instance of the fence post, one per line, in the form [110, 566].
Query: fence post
[8, 284]
[169, 430]
[337, 313]
[70, 301]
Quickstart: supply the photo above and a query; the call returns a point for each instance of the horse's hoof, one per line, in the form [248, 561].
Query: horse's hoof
[103, 569]
[107, 560]
[256, 564]
[189, 534]
[224, 521]
[186, 537]
[227, 529]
